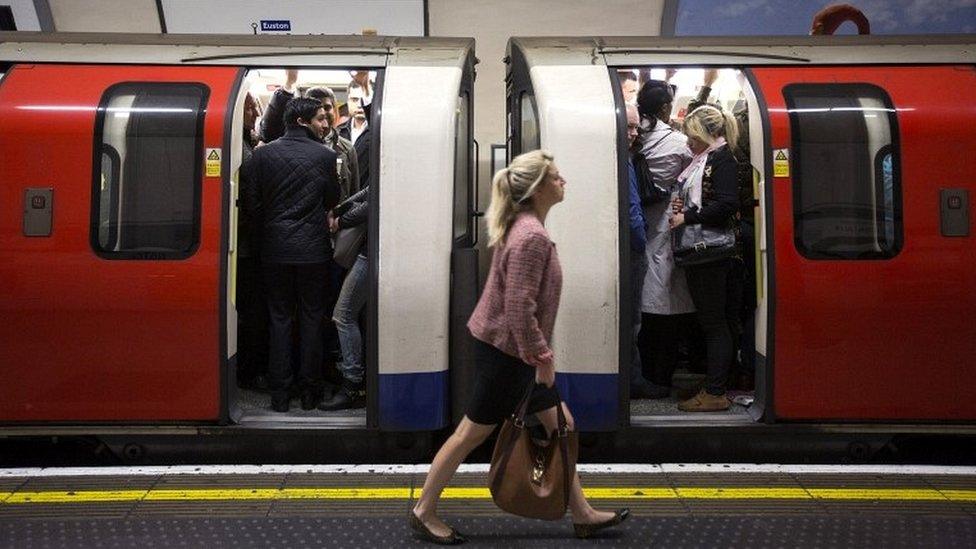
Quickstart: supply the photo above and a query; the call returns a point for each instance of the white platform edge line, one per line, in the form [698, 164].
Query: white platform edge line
[589, 468]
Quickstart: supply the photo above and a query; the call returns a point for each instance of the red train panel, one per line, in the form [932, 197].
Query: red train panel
[83, 337]
[887, 339]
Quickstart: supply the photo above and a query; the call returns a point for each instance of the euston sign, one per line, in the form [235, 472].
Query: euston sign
[276, 25]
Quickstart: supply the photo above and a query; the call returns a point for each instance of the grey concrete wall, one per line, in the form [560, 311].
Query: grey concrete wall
[105, 15]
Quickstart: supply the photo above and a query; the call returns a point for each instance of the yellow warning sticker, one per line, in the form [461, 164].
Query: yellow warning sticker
[781, 163]
[213, 162]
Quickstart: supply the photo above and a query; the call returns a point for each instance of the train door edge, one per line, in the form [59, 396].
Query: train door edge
[373, 252]
[762, 408]
[625, 320]
[465, 283]
[230, 164]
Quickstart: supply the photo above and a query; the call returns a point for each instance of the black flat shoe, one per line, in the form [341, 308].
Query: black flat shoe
[419, 528]
[584, 531]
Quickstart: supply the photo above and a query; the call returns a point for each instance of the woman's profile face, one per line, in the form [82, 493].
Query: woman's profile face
[555, 185]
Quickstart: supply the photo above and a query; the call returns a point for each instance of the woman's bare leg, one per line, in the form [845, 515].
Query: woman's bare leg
[579, 507]
[468, 436]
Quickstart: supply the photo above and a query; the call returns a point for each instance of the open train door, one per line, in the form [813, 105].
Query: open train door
[871, 241]
[112, 200]
[568, 108]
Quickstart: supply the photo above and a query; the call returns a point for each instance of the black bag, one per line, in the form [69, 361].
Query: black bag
[348, 241]
[697, 244]
[648, 191]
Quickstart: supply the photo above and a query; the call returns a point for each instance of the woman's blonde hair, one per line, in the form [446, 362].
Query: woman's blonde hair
[511, 189]
[708, 122]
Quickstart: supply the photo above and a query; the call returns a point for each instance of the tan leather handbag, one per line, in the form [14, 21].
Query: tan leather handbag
[533, 478]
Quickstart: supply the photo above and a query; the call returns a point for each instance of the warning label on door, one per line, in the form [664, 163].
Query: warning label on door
[213, 162]
[781, 163]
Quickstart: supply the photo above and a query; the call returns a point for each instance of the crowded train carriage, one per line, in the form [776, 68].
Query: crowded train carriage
[123, 251]
[855, 223]
[121, 229]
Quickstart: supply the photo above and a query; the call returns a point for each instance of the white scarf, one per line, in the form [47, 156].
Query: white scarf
[691, 178]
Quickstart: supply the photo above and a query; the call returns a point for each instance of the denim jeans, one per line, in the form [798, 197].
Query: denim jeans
[352, 299]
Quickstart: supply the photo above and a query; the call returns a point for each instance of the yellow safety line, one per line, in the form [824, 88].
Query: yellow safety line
[636, 493]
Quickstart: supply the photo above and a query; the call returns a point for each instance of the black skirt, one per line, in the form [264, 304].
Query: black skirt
[500, 382]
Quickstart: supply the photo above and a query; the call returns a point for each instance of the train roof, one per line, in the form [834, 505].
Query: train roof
[724, 50]
[232, 49]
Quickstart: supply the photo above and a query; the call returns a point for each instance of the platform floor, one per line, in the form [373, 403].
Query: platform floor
[365, 506]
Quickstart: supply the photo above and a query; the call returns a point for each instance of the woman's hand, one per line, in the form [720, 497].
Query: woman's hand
[676, 220]
[333, 223]
[545, 374]
[545, 369]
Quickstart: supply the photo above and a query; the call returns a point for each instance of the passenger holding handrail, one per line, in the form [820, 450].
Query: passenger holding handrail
[512, 325]
[710, 197]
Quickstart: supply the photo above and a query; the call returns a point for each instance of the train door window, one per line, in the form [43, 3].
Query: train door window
[462, 170]
[146, 181]
[847, 197]
[530, 123]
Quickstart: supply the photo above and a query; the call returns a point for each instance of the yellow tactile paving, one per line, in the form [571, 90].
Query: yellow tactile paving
[478, 493]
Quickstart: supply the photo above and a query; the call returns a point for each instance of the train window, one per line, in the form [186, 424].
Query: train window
[847, 196]
[146, 180]
[462, 168]
[530, 123]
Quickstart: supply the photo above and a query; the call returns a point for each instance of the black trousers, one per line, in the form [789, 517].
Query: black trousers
[710, 291]
[334, 282]
[252, 320]
[659, 338]
[295, 291]
[749, 298]
[638, 268]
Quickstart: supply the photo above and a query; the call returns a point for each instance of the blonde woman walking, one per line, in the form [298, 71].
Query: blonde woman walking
[512, 326]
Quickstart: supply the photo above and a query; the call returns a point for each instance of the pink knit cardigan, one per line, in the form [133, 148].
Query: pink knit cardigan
[517, 309]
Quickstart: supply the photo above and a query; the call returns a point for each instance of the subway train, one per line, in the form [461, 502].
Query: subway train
[863, 235]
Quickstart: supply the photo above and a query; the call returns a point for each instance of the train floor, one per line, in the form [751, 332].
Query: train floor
[672, 505]
[255, 407]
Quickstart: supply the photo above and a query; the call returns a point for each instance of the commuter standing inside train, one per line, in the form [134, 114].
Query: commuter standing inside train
[347, 172]
[512, 325]
[666, 301]
[640, 184]
[290, 185]
[252, 305]
[709, 196]
[352, 298]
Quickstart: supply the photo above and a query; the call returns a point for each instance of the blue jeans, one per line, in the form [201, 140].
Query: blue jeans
[352, 299]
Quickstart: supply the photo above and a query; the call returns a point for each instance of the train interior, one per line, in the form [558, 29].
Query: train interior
[250, 400]
[729, 89]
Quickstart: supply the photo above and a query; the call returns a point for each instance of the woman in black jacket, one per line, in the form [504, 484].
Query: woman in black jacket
[352, 298]
[709, 197]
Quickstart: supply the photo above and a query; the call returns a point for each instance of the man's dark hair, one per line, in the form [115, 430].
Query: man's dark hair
[653, 95]
[320, 93]
[301, 107]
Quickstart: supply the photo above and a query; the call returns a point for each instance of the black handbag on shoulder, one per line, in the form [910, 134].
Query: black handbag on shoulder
[348, 241]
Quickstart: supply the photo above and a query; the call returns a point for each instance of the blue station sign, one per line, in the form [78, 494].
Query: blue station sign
[276, 25]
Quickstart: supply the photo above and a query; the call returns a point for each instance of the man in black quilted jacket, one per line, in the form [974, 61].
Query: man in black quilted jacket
[288, 187]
